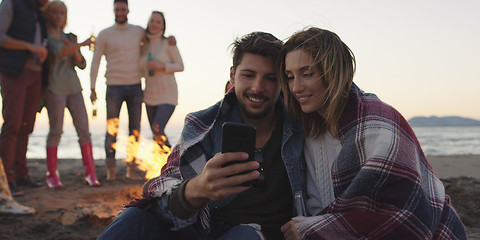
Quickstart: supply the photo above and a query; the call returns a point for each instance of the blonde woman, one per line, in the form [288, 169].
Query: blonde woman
[65, 91]
[367, 176]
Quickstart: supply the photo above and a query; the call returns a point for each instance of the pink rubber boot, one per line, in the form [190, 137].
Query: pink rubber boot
[53, 179]
[87, 159]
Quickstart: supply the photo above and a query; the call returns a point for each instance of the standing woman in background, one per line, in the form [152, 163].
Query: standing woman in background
[160, 61]
[367, 176]
[65, 91]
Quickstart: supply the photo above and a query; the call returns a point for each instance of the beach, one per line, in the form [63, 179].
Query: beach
[81, 212]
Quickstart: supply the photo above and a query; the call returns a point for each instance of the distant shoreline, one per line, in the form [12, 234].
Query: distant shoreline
[450, 121]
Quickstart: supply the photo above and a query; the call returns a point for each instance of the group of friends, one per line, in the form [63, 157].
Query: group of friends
[332, 161]
[37, 69]
[335, 162]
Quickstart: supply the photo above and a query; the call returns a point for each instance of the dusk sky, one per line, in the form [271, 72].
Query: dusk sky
[421, 57]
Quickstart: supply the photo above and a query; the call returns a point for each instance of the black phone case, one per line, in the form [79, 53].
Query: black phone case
[239, 137]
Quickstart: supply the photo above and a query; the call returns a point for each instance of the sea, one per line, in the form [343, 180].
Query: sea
[435, 141]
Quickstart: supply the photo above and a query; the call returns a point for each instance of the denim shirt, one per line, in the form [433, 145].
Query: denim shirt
[293, 156]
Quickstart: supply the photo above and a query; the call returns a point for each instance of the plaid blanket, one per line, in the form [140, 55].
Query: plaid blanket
[384, 186]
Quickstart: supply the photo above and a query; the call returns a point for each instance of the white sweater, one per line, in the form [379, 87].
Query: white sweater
[320, 154]
[161, 88]
[120, 44]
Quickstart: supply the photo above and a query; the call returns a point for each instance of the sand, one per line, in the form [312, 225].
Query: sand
[82, 212]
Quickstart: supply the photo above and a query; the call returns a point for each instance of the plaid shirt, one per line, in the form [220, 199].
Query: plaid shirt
[384, 186]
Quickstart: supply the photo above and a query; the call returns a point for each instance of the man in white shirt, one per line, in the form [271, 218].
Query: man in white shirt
[120, 44]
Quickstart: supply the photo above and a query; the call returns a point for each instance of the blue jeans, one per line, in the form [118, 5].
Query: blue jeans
[116, 95]
[135, 223]
[158, 117]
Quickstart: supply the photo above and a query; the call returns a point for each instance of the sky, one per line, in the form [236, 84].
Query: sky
[421, 57]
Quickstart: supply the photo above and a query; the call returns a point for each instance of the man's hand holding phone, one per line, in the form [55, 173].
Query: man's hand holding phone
[239, 137]
[219, 180]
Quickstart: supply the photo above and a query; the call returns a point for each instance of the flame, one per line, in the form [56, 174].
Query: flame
[112, 126]
[150, 155]
[132, 146]
[153, 161]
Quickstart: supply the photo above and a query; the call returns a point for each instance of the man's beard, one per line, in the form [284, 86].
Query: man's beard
[121, 22]
[251, 115]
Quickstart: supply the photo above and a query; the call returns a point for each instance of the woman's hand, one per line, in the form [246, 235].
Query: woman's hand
[72, 47]
[87, 42]
[156, 65]
[290, 231]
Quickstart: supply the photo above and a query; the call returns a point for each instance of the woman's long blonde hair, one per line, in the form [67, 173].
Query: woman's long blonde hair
[52, 4]
[336, 64]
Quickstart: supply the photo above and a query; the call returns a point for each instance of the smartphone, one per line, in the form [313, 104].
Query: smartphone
[239, 137]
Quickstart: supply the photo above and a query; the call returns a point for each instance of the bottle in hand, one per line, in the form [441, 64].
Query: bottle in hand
[151, 72]
[94, 111]
[299, 204]
[92, 45]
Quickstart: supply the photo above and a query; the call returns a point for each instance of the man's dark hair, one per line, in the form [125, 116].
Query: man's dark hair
[261, 43]
[125, 1]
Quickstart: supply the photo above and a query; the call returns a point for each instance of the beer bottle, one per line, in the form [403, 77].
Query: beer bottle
[151, 72]
[92, 45]
[94, 110]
